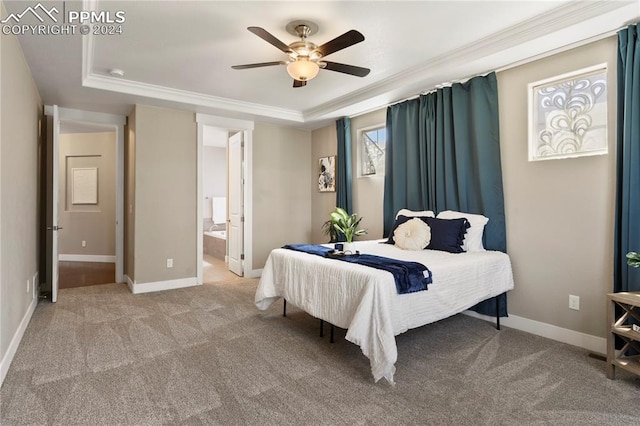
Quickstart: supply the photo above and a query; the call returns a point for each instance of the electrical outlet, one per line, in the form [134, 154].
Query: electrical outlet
[169, 263]
[84, 243]
[574, 302]
[28, 286]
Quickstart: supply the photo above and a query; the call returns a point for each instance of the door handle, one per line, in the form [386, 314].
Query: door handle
[54, 228]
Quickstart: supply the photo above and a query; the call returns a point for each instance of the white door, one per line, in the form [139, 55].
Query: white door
[235, 222]
[53, 133]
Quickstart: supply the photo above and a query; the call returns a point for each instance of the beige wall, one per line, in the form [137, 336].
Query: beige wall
[92, 223]
[324, 142]
[559, 212]
[20, 114]
[165, 193]
[368, 191]
[281, 189]
[130, 196]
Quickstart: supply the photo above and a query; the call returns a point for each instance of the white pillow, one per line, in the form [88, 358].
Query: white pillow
[414, 234]
[411, 213]
[473, 237]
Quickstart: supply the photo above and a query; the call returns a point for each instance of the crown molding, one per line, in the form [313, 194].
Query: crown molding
[130, 87]
[186, 97]
[414, 79]
[505, 47]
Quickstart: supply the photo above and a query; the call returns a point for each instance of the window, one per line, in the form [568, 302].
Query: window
[372, 143]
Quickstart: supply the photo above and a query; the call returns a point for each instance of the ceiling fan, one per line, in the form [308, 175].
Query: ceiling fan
[306, 58]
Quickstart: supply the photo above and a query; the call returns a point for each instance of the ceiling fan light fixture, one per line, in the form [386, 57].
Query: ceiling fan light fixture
[303, 69]
[306, 58]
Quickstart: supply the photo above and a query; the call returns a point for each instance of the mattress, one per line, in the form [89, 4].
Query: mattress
[364, 300]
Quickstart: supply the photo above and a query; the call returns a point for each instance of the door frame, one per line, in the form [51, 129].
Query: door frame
[117, 122]
[231, 124]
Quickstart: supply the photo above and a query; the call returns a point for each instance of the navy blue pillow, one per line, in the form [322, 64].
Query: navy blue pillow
[447, 234]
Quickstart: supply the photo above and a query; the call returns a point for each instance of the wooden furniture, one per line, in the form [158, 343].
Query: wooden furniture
[628, 304]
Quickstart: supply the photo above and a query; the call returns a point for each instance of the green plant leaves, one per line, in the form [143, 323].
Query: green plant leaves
[633, 259]
[346, 224]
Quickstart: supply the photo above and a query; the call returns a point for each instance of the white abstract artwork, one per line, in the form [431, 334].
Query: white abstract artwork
[84, 189]
[568, 115]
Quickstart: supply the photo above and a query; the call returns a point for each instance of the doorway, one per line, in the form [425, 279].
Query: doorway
[86, 207]
[215, 187]
[84, 169]
[228, 215]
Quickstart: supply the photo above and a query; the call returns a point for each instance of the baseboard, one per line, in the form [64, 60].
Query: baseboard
[15, 341]
[553, 332]
[254, 273]
[129, 282]
[139, 288]
[86, 258]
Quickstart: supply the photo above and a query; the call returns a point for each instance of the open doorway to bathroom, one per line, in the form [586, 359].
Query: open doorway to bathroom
[215, 188]
[237, 137]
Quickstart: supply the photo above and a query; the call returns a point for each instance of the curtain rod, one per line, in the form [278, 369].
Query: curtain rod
[533, 58]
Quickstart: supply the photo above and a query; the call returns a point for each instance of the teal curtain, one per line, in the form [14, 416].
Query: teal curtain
[443, 153]
[627, 226]
[343, 171]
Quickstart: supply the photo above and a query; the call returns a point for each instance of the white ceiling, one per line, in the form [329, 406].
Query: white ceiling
[179, 54]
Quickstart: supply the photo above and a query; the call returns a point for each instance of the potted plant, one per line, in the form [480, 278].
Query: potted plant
[328, 229]
[633, 259]
[347, 225]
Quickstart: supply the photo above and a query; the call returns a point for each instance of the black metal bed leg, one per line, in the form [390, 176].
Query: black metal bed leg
[498, 312]
[284, 308]
[331, 339]
[321, 328]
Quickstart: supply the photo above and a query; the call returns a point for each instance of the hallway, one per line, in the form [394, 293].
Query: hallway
[81, 274]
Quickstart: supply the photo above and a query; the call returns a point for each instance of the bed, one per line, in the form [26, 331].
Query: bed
[364, 300]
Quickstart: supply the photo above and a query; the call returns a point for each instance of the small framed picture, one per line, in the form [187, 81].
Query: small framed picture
[568, 115]
[327, 174]
[84, 189]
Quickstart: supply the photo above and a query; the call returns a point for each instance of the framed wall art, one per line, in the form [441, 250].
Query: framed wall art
[568, 115]
[327, 174]
[84, 185]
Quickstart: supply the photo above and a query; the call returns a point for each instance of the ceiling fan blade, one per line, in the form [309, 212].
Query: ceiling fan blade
[269, 38]
[345, 40]
[299, 83]
[346, 69]
[258, 65]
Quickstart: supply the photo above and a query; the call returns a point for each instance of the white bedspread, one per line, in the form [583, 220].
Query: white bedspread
[364, 300]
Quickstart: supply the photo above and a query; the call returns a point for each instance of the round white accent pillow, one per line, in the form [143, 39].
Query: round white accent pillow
[414, 234]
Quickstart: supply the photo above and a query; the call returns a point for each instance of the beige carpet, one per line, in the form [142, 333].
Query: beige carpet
[206, 356]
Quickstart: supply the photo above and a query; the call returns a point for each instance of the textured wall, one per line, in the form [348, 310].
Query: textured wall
[165, 194]
[20, 114]
[130, 196]
[559, 212]
[368, 191]
[324, 142]
[281, 189]
[93, 223]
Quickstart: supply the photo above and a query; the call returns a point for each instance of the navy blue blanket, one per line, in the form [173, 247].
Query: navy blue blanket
[409, 276]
